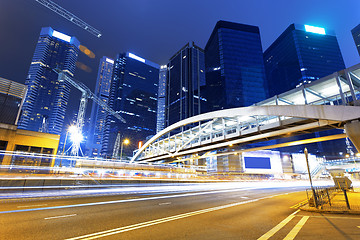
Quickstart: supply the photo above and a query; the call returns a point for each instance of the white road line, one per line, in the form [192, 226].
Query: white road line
[38, 205]
[292, 234]
[63, 216]
[158, 221]
[166, 219]
[275, 229]
[244, 197]
[165, 203]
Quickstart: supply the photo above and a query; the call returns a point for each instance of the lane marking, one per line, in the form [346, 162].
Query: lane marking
[278, 227]
[165, 203]
[38, 205]
[166, 219]
[63, 216]
[244, 197]
[157, 221]
[292, 234]
[126, 200]
[299, 204]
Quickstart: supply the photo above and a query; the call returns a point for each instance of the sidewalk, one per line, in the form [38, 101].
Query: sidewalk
[338, 204]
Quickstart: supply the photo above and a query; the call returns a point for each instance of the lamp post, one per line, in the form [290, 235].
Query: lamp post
[70, 129]
[311, 184]
[126, 142]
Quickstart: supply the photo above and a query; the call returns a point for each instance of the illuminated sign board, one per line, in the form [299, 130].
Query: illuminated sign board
[110, 60]
[61, 36]
[313, 29]
[136, 57]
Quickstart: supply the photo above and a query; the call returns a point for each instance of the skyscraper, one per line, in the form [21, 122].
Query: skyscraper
[133, 94]
[186, 76]
[160, 121]
[235, 73]
[356, 35]
[46, 99]
[301, 54]
[98, 114]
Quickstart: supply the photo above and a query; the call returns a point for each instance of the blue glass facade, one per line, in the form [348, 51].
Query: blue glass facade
[235, 74]
[185, 78]
[98, 114]
[299, 56]
[356, 35]
[46, 99]
[133, 94]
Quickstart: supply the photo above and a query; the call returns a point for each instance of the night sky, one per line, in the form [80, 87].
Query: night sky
[156, 29]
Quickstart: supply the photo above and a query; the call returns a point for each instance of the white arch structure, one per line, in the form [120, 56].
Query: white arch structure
[330, 102]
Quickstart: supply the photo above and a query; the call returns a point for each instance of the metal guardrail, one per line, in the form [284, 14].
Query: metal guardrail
[324, 195]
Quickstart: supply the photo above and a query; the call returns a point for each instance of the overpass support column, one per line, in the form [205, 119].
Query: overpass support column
[353, 132]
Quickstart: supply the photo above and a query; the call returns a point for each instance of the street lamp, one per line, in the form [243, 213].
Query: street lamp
[126, 142]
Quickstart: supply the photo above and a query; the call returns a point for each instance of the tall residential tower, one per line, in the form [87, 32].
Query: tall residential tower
[47, 97]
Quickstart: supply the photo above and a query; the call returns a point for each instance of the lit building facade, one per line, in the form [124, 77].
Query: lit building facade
[184, 82]
[133, 94]
[47, 97]
[301, 54]
[98, 114]
[12, 95]
[160, 122]
[356, 35]
[235, 74]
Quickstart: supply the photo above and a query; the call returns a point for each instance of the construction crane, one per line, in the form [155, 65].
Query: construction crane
[85, 95]
[69, 16]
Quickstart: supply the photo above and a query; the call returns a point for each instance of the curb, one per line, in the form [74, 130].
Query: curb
[350, 212]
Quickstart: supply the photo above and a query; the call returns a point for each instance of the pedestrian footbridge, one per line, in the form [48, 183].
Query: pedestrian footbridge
[327, 103]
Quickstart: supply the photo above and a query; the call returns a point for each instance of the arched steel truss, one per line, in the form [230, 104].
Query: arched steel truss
[330, 101]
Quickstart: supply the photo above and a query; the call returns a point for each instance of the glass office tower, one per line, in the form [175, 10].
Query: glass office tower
[301, 54]
[185, 78]
[160, 121]
[98, 114]
[235, 73]
[47, 98]
[356, 35]
[133, 94]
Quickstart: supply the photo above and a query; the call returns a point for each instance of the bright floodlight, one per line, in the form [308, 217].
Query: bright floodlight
[313, 29]
[76, 136]
[126, 141]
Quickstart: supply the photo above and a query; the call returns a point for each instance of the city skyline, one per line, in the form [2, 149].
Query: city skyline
[154, 48]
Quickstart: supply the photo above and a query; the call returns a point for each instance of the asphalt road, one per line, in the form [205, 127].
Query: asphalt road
[191, 211]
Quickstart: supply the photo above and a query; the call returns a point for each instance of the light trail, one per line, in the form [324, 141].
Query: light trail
[123, 201]
[164, 220]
